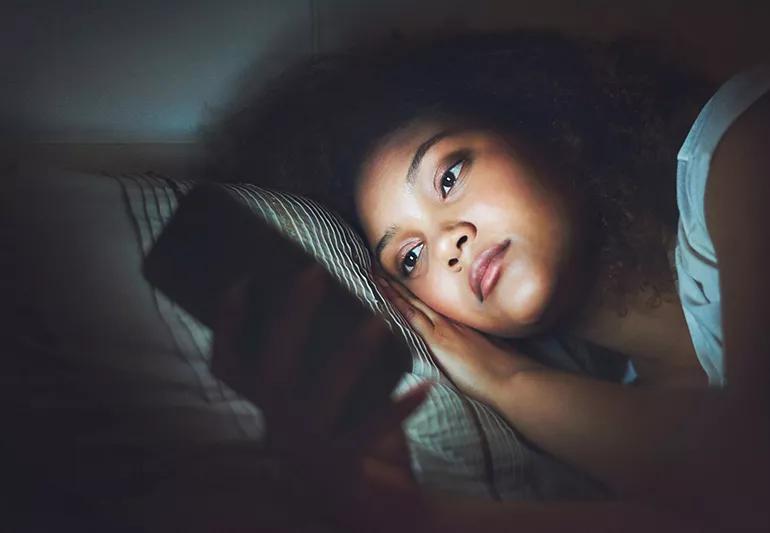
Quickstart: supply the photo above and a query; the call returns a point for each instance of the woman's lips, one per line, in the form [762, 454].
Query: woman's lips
[486, 268]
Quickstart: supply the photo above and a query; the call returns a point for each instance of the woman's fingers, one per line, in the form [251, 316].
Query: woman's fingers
[415, 316]
[390, 417]
[343, 371]
[279, 355]
[415, 302]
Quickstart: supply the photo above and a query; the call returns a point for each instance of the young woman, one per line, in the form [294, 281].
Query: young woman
[518, 185]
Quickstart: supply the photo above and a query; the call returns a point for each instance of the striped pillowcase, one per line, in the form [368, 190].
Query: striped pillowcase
[457, 444]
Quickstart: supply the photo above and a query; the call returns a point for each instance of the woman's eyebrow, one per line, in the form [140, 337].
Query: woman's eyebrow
[411, 174]
[383, 242]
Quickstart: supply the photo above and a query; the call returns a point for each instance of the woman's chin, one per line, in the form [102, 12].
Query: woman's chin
[526, 309]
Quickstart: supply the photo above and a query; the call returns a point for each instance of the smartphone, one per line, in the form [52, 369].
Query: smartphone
[212, 240]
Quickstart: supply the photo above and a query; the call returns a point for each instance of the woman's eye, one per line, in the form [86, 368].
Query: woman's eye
[449, 178]
[410, 259]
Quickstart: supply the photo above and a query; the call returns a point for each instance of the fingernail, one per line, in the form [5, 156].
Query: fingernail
[387, 291]
[392, 295]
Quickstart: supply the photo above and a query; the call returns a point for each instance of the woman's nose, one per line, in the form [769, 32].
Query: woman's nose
[454, 246]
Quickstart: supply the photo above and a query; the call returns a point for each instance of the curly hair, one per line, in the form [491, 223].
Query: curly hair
[610, 116]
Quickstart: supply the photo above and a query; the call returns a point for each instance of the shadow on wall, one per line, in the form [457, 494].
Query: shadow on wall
[120, 71]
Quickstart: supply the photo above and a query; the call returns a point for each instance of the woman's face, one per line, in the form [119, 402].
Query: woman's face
[464, 222]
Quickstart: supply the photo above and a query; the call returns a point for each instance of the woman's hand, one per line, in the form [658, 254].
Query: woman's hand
[478, 365]
[352, 478]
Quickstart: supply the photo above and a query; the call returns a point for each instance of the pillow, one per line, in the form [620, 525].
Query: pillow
[458, 444]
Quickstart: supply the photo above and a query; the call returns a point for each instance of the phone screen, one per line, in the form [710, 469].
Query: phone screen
[212, 240]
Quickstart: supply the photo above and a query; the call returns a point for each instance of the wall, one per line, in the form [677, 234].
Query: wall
[83, 71]
[150, 71]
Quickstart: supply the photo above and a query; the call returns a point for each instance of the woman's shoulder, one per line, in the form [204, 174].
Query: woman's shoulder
[737, 204]
[717, 123]
[728, 103]
[723, 166]
[739, 166]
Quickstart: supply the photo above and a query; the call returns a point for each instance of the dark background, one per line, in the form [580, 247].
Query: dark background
[77, 71]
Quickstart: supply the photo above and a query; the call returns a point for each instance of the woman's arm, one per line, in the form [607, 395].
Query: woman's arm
[737, 202]
[623, 436]
[736, 205]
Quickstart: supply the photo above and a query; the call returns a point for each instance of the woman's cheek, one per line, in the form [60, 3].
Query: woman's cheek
[526, 293]
[444, 298]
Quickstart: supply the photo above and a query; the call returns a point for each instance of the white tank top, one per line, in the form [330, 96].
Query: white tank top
[695, 260]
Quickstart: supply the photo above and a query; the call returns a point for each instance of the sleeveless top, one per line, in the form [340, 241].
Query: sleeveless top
[694, 256]
[696, 262]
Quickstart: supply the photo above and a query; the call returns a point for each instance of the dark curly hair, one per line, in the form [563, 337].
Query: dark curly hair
[611, 117]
